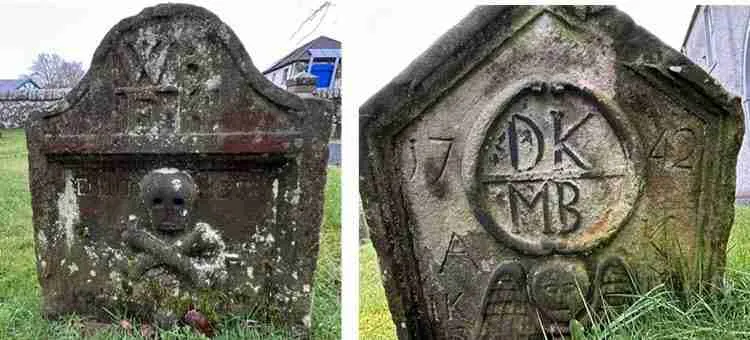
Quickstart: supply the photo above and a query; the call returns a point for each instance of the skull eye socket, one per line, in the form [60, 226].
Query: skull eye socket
[157, 201]
[178, 201]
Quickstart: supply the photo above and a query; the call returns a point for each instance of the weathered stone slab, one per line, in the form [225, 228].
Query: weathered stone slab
[539, 160]
[175, 173]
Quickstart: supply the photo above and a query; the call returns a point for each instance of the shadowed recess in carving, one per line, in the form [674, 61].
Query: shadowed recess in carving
[506, 312]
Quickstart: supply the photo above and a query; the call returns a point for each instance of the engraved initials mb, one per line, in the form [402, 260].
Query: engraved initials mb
[565, 208]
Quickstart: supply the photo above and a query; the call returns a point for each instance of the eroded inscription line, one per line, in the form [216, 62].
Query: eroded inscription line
[548, 176]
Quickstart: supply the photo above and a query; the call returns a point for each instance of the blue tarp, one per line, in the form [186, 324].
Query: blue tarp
[324, 72]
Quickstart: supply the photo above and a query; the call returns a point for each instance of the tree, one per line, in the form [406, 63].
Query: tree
[315, 19]
[50, 70]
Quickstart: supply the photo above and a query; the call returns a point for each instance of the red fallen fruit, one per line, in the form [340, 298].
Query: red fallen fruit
[147, 331]
[126, 325]
[198, 321]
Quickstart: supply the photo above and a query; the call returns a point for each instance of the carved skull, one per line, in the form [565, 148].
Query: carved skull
[558, 288]
[169, 194]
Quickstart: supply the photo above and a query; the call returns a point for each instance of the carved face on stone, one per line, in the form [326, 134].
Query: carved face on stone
[168, 195]
[558, 289]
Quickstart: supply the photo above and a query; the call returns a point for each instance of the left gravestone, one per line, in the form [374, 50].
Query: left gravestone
[174, 173]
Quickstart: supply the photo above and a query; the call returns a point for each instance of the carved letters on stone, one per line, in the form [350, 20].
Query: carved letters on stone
[543, 159]
[551, 169]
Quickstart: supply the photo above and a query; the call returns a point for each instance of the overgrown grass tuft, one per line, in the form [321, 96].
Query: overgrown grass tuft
[374, 316]
[20, 316]
[657, 314]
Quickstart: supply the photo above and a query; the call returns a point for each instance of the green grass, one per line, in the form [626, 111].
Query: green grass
[658, 314]
[20, 316]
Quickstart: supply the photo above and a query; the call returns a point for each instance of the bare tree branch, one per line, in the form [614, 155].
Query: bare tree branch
[50, 70]
[319, 13]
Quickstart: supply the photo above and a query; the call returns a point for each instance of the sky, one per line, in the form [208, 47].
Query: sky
[74, 28]
[391, 33]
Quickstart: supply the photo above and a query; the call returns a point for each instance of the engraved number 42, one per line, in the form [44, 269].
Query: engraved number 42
[675, 148]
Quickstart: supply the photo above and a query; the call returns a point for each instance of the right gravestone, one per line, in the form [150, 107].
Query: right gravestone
[540, 163]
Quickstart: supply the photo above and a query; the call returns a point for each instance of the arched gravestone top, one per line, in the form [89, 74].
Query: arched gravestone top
[211, 23]
[539, 158]
[175, 173]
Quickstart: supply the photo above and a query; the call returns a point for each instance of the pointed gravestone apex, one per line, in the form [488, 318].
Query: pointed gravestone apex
[174, 174]
[535, 155]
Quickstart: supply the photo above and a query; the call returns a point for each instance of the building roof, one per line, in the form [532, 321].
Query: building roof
[690, 26]
[7, 85]
[302, 54]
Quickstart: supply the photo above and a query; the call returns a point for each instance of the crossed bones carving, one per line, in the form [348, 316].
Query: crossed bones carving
[182, 256]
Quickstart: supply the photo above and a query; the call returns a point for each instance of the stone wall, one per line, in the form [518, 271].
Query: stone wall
[16, 106]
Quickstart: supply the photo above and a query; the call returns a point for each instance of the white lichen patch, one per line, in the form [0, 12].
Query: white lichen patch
[676, 69]
[67, 209]
[306, 321]
[176, 184]
[213, 268]
[91, 253]
[249, 271]
[275, 188]
[306, 288]
[210, 235]
[41, 240]
[115, 277]
[269, 240]
[167, 171]
[92, 273]
[294, 200]
[72, 268]
[213, 83]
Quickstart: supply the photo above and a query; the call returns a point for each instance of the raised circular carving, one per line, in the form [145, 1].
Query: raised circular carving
[552, 168]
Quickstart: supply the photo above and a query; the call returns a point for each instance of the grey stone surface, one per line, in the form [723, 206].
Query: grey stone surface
[16, 106]
[537, 160]
[175, 173]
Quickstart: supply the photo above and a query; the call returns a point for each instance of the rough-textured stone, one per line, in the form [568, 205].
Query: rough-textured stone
[175, 173]
[537, 160]
[16, 106]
